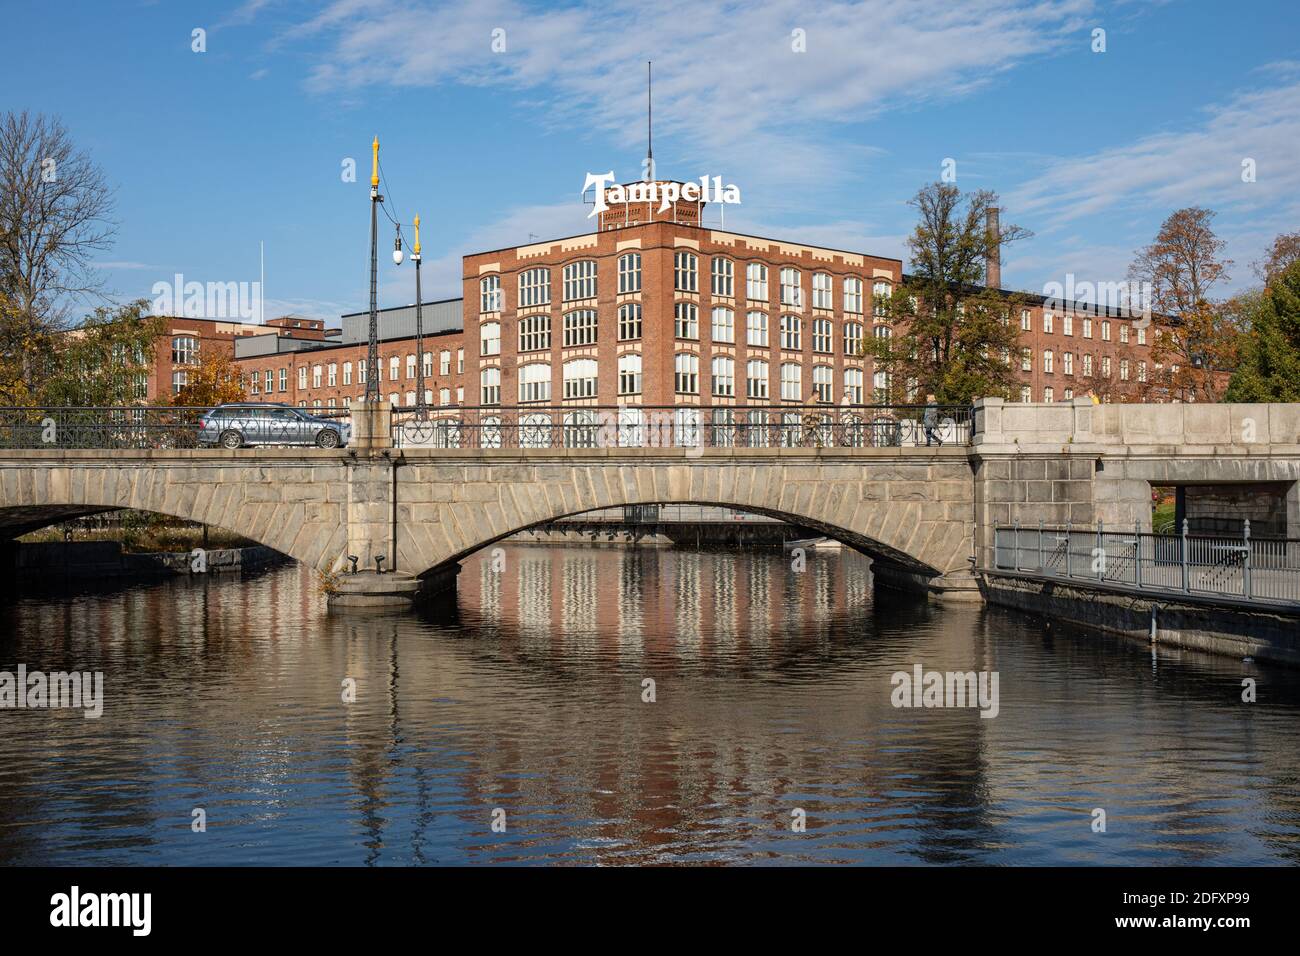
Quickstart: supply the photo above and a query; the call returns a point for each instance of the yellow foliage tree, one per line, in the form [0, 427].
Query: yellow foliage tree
[214, 381]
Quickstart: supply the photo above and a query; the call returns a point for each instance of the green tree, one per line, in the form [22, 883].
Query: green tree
[1269, 365]
[214, 381]
[950, 337]
[105, 361]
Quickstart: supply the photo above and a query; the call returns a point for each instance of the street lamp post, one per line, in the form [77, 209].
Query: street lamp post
[372, 353]
[421, 411]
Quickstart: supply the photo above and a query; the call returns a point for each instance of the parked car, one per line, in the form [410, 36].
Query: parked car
[238, 424]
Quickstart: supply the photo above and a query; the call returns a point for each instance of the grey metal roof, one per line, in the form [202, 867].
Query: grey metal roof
[252, 346]
[399, 323]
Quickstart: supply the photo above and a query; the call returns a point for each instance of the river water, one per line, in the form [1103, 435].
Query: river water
[513, 725]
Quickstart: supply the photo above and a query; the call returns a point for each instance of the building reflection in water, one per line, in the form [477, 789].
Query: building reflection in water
[772, 687]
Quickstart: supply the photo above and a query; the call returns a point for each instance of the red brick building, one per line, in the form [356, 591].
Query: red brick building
[653, 309]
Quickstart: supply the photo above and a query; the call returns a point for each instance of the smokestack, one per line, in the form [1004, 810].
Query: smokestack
[993, 258]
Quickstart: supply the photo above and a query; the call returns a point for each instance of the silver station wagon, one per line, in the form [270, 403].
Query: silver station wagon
[240, 424]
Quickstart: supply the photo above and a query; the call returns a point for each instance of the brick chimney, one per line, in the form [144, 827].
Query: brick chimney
[993, 260]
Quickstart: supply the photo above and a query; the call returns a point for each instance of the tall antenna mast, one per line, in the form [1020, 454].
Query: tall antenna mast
[649, 124]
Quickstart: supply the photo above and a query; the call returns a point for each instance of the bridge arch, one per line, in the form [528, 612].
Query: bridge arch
[916, 515]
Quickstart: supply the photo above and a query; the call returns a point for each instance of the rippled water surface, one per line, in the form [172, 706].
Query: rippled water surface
[772, 694]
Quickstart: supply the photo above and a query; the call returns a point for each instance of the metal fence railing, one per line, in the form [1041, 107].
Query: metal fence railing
[1256, 569]
[162, 427]
[747, 426]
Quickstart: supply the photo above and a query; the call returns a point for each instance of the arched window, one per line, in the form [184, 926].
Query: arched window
[791, 292]
[629, 321]
[723, 276]
[853, 393]
[686, 373]
[686, 320]
[724, 376]
[535, 382]
[823, 298]
[629, 273]
[880, 293]
[580, 328]
[490, 386]
[629, 373]
[724, 325]
[686, 272]
[490, 294]
[580, 378]
[534, 332]
[489, 338]
[534, 287]
[791, 329]
[853, 337]
[756, 282]
[791, 381]
[823, 383]
[853, 295]
[756, 376]
[580, 280]
[185, 350]
[823, 336]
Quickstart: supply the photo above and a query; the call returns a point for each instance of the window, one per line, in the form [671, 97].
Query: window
[791, 326]
[629, 273]
[823, 379]
[410, 399]
[756, 329]
[185, 350]
[1025, 318]
[1067, 363]
[489, 381]
[315, 375]
[444, 362]
[489, 338]
[853, 295]
[853, 386]
[1068, 394]
[853, 337]
[1105, 331]
[580, 378]
[686, 323]
[580, 280]
[1142, 371]
[724, 325]
[756, 282]
[791, 381]
[535, 383]
[629, 373]
[686, 378]
[1142, 335]
[489, 289]
[427, 362]
[362, 370]
[1047, 394]
[629, 321]
[882, 331]
[1087, 328]
[1123, 334]
[410, 365]
[791, 293]
[1123, 369]
[444, 396]
[724, 376]
[724, 271]
[331, 376]
[823, 336]
[269, 378]
[1105, 366]
[823, 297]
[580, 328]
[1087, 366]
[1047, 322]
[1025, 395]
[880, 294]
[534, 333]
[1067, 325]
[179, 380]
[1026, 360]
[393, 368]
[881, 386]
[347, 373]
[284, 379]
[756, 379]
[460, 361]
[686, 272]
[1047, 361]
[302, 376]
[534, 287]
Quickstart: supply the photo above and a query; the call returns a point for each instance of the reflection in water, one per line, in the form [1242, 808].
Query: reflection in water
[772, 693]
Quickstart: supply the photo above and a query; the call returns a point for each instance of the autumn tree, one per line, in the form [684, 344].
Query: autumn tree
[1194, 338]
[950, 337]
[1284, 251]
[214, 381]
[105, 361]
[1269, 368]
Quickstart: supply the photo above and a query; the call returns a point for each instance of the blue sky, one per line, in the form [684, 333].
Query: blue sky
[214, 152]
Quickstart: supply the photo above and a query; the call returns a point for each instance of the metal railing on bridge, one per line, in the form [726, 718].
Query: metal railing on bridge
[643, 426]
[1266, 570]
[159, 427]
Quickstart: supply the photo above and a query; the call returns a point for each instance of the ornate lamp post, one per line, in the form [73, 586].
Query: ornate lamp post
[372, 353]
[421, 410]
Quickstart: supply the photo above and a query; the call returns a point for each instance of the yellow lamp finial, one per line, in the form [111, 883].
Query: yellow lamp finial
[417, 235]
[374, 163]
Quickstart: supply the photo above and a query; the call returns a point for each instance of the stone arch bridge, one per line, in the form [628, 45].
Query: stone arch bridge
[925, 513]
